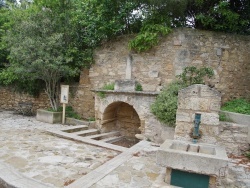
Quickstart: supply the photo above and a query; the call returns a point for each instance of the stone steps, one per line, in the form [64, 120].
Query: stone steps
[104, 135]
[87, 132]
[76, 128]
[112, 139]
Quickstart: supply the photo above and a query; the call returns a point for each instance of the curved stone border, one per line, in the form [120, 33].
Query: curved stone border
[10, 178]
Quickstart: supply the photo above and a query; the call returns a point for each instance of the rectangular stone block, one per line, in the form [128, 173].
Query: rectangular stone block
[125, 85]
[196, 161]
[49, 117]
[183, 116]
[209, 118]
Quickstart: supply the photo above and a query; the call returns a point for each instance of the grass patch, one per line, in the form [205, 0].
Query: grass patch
[111, 86]
[69, 112]
[240, 105]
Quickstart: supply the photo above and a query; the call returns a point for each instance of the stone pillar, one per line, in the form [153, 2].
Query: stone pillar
[129, 67]
[198, 99]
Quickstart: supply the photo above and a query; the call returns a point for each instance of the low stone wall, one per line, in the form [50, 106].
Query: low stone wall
[242, 119]
[81, 98]
[10, 99]
[234, 137]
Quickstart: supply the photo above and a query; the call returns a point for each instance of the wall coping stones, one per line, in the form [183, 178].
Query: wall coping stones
[127, 92]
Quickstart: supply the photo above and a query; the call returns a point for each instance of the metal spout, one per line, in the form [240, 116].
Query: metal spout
[197, 121]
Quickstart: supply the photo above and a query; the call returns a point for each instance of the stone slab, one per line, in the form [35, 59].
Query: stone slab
[178, 155]
[48, 117]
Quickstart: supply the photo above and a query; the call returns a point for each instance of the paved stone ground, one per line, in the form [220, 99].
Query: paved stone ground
[25, 146]
[57, 162]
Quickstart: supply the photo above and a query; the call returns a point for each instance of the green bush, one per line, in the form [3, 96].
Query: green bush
[165, 105]
[69, 112]
[148, 37]
[91, 119]
[193, 75]
[111, 86]
[240, 105]
[138, 87]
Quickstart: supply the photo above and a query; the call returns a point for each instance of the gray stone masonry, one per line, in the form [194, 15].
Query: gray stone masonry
[198, 99]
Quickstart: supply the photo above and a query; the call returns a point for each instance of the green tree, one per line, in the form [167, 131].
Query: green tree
[37, 52]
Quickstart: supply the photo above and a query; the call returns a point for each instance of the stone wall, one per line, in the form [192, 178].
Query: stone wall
[80, 98]
[203, 100]
[9, 99]
[234, 137]
[206, 101]
[227, 54]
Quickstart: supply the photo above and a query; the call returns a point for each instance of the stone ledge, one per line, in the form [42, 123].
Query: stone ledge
[127, 92]
[243, 119]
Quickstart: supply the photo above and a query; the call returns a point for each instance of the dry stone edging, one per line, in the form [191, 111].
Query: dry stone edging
[11, 178]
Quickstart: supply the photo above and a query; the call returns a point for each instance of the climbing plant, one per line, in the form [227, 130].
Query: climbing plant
[148, 37]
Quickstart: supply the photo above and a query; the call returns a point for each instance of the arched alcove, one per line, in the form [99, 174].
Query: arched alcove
[122, 117]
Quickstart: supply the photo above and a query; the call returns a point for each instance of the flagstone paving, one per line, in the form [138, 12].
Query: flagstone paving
[32, 158]
[25, 146]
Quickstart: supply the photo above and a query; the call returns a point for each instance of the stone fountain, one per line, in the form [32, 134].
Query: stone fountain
[193, 159]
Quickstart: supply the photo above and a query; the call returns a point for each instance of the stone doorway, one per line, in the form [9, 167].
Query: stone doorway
[122, 117]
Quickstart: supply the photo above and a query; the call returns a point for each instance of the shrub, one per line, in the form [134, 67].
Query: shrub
[240, 105]
[69, 112]
[111, 86]
[165, 105]
[138, 87]
[148, 37]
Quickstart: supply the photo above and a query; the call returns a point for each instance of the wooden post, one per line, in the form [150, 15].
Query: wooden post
[64, 99]
[63, 115]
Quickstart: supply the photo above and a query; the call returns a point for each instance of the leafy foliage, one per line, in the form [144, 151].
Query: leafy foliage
[148, 37]
[110, 86]
[222, 18]
[193, 75]
[60, 35]
[37, 52]
[138, 87]
[240, 105]
[165, 105]
[69, 112]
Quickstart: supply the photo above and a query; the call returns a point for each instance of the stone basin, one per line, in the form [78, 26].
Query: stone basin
[196, 148]
[199, 158]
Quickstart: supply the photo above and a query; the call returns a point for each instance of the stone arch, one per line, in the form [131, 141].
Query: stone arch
[121, 116]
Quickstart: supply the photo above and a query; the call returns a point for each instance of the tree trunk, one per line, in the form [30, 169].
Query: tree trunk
[52, 91]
